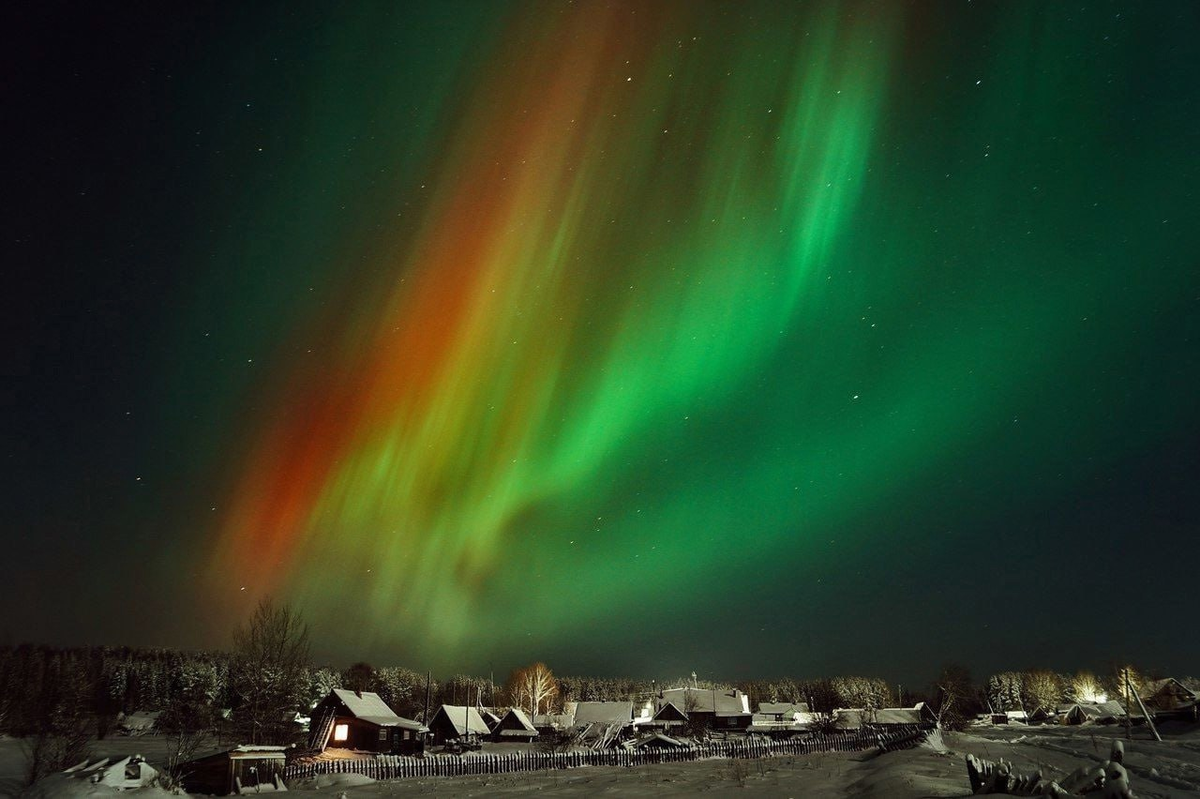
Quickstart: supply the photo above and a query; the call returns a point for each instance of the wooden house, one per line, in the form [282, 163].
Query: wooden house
[362, 721]
[514, 727]
[243, 768]
[1170, 697]
[716, 709]
[452, 722]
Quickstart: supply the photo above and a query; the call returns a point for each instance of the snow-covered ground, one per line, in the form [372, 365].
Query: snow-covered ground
[1168, 770]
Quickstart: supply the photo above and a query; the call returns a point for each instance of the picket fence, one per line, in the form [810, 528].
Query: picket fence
[391, 767]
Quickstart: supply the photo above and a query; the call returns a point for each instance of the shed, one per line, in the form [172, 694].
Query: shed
[235, 770]
[659, 741]
[452, 722]
[361, 720]
[514, 726]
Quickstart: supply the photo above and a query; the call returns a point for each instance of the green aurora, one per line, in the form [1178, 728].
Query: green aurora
[581, 331]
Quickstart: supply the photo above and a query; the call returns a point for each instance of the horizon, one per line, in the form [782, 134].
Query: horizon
[638, 338]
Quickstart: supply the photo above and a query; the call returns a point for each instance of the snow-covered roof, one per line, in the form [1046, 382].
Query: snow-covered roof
[782, 708]
[515, 720]
[706, 700]
[464, 719]
[603, 712]
[898, 715]
[369, 707]
[559, 720]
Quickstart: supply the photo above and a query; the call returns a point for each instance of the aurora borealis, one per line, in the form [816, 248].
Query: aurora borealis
[596, 332]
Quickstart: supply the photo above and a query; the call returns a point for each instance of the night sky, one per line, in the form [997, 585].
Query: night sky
[639, 338]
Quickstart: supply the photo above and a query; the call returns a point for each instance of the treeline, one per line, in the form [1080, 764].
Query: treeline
[1040, 689]
[102, 682]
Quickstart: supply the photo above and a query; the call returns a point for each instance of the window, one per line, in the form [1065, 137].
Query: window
[341, 732]
[383, 733]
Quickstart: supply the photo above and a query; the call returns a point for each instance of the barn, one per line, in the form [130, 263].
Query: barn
[362, 721]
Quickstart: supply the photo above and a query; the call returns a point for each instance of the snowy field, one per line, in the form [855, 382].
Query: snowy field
[1169, 769]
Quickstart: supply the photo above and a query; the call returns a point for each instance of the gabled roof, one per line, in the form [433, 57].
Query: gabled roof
[706, 700]
[515, 719]
[669, 712]
[603, 712]
[660, 740]
[463, 719]
[1156, 687]
[369, 707]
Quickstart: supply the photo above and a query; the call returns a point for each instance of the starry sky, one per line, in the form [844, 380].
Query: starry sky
[640, 338]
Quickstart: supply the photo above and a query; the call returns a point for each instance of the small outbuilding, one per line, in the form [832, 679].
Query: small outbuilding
[241, 769]
[514, 727]
[659, 741]
[452, 722]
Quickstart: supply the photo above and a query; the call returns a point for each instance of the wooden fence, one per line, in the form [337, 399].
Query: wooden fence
[391, 767]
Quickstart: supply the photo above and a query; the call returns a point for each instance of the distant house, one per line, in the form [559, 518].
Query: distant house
[717, 709]
[452, 722]
[514, 726]
[780, 719]
[243, 768]
[1103, 713]
[782, 711]
[361, 720]
[1170, 697]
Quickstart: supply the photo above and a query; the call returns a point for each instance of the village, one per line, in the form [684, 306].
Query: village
[352, 738]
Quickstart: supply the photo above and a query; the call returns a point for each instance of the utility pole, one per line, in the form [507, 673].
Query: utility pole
[1145, 712]
[1128, 706]
[428, 685]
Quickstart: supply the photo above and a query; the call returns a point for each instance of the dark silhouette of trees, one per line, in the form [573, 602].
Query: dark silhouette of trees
[271, 674]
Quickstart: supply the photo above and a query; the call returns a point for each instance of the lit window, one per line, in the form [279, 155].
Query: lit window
[383, 733]
[341, 732]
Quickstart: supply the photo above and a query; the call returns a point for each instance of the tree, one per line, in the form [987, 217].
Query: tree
[1042, 690]
[1005, 691]
[271, 674]
[957, 700]
[1084, 687]
[533, 687]
[360, 677]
